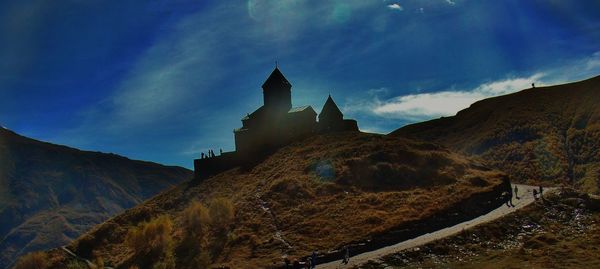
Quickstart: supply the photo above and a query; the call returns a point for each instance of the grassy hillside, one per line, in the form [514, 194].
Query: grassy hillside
[51, 194]
[546, 134]
[317, 194]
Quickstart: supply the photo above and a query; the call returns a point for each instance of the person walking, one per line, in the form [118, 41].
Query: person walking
[541, 192]
[517, 192]
[313, 259]
[507, 198]
[346, 251]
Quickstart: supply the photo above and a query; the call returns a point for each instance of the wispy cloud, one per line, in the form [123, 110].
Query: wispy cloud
[448, 102]
[594, 62]
[395, 6]
[450, 2]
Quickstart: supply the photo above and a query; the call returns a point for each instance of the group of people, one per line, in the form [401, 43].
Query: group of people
[507, 196]
[210, 154]
[311, 261]
[307, 263]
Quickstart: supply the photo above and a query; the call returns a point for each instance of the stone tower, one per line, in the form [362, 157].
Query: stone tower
[331, 119]
[277, 92]
[330, 114]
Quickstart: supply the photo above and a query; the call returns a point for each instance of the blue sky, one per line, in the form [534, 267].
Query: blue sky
[165, 80]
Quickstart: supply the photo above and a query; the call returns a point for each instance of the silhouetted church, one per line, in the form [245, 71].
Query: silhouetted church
[275, 124]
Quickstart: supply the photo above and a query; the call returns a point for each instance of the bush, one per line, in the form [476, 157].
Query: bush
[221, 214]
[33, 260]
[151, 242]
[196, 219]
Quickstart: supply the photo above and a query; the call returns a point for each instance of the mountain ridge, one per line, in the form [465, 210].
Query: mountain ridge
[52, 193]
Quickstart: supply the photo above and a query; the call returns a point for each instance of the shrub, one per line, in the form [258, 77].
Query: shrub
[221, 213]
[196, 219]
[33, 260]
[151, 241]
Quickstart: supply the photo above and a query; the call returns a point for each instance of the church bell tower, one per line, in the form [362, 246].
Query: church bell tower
[277, 92]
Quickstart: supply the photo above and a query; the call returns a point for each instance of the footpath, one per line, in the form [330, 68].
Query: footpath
[526, 198]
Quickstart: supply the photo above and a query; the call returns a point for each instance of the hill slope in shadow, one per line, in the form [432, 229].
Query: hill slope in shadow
[50, 194]
[545, 134]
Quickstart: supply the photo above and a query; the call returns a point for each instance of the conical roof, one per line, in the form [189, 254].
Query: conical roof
[330, 110]
[276, 79]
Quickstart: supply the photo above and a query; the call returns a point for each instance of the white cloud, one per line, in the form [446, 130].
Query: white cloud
[593, 62]
[450, 2]
[446, 103]
[395, 6]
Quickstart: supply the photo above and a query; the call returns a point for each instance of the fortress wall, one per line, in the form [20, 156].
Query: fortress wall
[204, 168]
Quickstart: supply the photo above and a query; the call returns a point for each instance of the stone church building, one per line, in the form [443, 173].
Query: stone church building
[275, 124]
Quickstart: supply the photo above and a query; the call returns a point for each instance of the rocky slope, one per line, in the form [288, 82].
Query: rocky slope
[51, 194]
[545, 134]
[318, 194]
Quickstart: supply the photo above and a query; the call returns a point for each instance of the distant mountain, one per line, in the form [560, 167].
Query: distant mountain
[545, 134]
[50, 194]
[321, 193]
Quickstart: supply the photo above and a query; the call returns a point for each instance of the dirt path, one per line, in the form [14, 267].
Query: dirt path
[526, 198]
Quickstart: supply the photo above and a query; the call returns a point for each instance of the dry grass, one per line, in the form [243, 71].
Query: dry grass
[308, 196]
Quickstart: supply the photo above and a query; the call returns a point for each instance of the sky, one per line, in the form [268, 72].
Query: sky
[164, 80]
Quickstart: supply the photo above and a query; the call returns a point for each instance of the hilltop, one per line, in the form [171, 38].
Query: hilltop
[316, 194]
[51, 194]
[544, 135]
